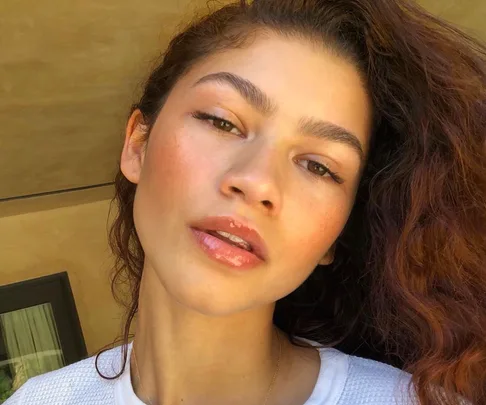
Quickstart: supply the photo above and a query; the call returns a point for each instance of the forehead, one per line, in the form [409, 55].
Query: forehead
[300, 78]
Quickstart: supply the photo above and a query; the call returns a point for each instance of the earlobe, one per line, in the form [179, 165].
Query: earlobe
[328, 258]
[133, 153]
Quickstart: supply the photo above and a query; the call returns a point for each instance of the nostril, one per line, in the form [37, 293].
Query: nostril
[236, 190]
[266, 203]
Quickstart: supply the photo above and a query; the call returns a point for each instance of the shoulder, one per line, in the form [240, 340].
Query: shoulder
[350, 380]
[78, 383]
[369, 381]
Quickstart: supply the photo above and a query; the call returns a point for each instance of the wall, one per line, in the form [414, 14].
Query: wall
[72, 239]
[69, 72]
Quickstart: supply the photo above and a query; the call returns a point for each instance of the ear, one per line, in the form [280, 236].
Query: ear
[133, 153]
[328, 258]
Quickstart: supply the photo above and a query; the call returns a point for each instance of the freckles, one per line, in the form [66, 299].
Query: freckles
[179, 164]
[314, 224]
[168, 165]
[165, 169]
[325, 228]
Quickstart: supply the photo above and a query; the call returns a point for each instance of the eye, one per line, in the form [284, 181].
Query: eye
[217, 122]
[320, 170]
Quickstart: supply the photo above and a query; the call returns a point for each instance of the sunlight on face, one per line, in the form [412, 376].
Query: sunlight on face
[275, 134]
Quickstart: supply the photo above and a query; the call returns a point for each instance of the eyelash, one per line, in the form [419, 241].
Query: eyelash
[332, 174]
[202, 116]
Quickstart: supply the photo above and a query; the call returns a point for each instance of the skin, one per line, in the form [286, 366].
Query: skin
[204, 333]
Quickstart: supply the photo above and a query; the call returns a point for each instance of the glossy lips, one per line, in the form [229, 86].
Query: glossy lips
[224, 251]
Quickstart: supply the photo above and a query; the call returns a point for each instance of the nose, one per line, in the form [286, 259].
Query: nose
[255, 179]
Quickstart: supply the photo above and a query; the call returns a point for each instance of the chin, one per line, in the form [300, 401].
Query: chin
[203, 288]
[212, 306]
[209, 298]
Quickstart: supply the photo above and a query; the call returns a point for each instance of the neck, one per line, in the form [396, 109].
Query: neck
[185, 356]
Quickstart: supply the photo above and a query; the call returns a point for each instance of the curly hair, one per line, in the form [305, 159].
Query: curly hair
[408, 285]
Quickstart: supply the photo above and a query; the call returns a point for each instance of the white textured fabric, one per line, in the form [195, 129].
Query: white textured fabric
[343, 380]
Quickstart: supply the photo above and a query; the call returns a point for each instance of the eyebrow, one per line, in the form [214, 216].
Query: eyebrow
[250, 92]
[266, 106]
[332, 132]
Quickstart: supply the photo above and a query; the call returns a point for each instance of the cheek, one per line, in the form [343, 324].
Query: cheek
[165, 166]
[313, 231]
[172, 177]
[310, 233]
[176, 167]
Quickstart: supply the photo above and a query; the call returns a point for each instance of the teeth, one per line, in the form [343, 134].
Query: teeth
[236, 239]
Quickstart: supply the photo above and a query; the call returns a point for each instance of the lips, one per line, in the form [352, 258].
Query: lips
[234, 227]
[231, 239]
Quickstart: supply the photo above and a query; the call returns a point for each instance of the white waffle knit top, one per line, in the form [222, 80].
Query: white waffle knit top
[342, 380]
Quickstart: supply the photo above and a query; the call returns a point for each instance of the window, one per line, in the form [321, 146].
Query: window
[39, 330]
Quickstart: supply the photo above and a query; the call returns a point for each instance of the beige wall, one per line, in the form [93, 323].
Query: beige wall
[69, 72]
[72, 239]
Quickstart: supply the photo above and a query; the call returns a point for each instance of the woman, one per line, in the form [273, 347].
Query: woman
[301, 190]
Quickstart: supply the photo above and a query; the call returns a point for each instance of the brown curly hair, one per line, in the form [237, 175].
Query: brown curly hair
[408, 286]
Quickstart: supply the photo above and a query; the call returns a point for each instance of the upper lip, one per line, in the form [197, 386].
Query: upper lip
[237, 228]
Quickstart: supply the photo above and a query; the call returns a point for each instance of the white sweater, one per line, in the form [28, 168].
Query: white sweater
[343, 380]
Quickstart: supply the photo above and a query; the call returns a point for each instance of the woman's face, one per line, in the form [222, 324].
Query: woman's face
[283, 157]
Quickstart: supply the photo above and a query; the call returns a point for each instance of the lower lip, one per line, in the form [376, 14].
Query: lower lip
[225, 253]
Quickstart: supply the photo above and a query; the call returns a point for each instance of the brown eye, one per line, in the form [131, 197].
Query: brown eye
[317, 168]
[219, 123]
[320, 171]
[222, 124]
